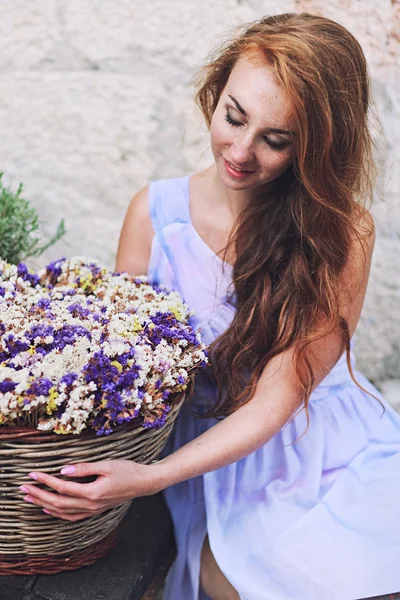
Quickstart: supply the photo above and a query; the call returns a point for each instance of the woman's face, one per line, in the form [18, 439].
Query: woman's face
[251, 136]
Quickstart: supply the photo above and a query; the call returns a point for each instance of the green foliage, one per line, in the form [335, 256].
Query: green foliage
[19, 223]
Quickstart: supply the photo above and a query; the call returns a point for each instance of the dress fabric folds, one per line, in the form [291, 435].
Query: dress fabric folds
[315, 520]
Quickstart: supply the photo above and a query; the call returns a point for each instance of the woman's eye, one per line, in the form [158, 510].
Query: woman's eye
[276, 145]
[271, 143]
[232, 121]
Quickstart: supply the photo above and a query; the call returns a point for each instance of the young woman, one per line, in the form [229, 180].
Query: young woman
[282, 475]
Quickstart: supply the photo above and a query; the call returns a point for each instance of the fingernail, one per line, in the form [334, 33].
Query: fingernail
[46, 511]
[28, 499]
[33, 476]
[67, 470]
[24, 489]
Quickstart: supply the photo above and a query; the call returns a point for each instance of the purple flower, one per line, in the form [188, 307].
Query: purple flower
[156, 422]
[26, 276]
[40, 387]
[40, 331]
[43, 303]
[77, 310]
[40, 350]
[126, 380]
[69, 379]
[13, 347]
[68, 334]
[54, 270]
[7, 386]
[46, 330]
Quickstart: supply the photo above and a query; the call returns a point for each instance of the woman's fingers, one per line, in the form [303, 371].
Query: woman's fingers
[67, 488]
[59, 504]
[117, 482]
[86, 491]
[101, 467]
[75, 501]
[67, 516]
[35, 495]
[70, 488]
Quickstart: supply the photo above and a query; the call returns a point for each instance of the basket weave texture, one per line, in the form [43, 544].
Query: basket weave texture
[34, 542]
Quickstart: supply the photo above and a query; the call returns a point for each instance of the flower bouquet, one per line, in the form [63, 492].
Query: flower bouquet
[94, 365]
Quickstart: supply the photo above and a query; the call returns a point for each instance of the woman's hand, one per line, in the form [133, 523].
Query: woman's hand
[117, 482]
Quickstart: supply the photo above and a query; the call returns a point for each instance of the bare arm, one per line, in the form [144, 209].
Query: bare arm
[276, 398]
[136, 236]
[243, 432]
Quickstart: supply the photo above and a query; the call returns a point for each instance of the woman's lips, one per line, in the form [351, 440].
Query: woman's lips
[234, 172]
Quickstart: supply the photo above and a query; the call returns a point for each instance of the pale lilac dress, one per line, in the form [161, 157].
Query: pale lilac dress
[315, 520]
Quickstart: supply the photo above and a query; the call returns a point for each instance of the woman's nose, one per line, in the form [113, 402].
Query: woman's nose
[242, 151]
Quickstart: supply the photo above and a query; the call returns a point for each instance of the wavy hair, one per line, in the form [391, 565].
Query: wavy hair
[292, 243]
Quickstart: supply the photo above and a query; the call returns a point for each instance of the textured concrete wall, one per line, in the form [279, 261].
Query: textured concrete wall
[95, 101]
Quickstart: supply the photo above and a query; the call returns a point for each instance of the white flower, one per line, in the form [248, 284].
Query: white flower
[54, 338]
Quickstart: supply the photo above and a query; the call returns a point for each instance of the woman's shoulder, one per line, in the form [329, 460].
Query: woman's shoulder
[363, 228]
[355, 274]
[155, 206]
[362, 216]
[168, 202]
[151, 201]
[136, 235]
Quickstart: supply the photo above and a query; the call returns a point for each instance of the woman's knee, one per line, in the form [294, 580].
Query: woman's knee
[212, 579]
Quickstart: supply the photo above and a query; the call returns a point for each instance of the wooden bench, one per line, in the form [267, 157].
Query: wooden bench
[134, 570]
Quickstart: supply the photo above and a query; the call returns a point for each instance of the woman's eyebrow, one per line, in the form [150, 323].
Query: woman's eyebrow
[240, 109]
[271, 129]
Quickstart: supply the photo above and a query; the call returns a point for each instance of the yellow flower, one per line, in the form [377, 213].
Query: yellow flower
[135, 325]
[180, 388]
[61, 429]
[86, 282]
[32, 350]
[177, 313]
[117, 364]
[52, 404]
[53, 394]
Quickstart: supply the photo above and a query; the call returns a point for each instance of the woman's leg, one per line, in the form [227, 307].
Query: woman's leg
[212, 579]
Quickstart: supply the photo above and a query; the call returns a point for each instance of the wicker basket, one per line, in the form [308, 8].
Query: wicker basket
[33, 542]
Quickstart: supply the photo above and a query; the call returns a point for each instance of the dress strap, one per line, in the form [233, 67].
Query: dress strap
[169, 202]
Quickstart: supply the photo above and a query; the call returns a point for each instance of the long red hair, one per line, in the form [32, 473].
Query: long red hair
[292, 244]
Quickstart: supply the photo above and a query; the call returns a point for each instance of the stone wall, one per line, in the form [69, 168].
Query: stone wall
[95, 101]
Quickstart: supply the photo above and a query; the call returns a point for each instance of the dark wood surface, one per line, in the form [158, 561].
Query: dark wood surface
[145, 539]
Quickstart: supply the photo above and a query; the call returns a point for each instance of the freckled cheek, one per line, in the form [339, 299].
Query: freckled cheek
[277, 163]
[219, 139]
